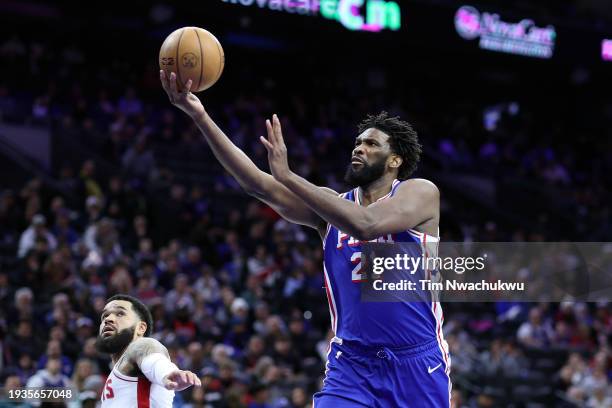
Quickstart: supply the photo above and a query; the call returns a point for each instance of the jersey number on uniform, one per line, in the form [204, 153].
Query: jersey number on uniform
[356, 274]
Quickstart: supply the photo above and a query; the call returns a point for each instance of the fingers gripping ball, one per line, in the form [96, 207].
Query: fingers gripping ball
[192, 53]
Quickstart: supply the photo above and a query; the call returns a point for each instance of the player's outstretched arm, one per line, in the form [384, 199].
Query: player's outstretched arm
[154, 361]
[254, 181]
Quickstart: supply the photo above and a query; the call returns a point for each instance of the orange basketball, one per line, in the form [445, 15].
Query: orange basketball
[192, 53]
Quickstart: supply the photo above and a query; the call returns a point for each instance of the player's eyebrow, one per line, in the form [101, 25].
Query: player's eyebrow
[118, 307]
[366, 139]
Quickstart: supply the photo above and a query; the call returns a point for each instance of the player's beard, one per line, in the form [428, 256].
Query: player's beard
[115, 343]
[365, 174]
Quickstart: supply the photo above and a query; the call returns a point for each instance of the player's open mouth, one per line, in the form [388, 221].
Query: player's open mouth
[108, 331]
[355, 161]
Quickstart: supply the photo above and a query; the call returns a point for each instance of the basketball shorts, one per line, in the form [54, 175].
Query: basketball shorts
[357, 376]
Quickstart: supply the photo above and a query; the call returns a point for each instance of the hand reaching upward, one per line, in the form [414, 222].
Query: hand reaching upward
[277, 151]
[184, 100]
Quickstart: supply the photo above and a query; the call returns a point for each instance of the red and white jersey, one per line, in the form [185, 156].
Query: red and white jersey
[122, 391]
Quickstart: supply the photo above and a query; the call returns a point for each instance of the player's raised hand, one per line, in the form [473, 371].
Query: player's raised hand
[179, 380]
[277, 151]
[183, 99]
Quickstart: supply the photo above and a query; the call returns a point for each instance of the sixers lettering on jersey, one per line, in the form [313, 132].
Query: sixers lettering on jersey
[389, 324]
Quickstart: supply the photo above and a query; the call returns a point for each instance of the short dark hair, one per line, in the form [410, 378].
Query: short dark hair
[402, 138]
[141, 310]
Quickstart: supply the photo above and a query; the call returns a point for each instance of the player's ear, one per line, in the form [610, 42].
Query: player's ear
[141, 328]
[395, 161]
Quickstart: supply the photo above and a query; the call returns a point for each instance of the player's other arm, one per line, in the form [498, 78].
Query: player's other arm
[153, 360]
[255, 182]
[415, 202]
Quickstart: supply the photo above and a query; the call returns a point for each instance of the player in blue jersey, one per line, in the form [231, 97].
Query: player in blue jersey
[384, 354]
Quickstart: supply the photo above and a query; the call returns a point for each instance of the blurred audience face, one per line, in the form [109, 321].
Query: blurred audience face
[193, 255]
[535, 316]
[282, 346]
[23, 298]
[61, 301]
[180, 283]
[54, 349]
[115, 185]
[298, 397]
[12, 382]
[25, 362]
[54, 366]
[296, 326]
[195, 350]
[83, 369]
[24, 329]
[88, 169]
[140, 225]
[89, 349]
[256, 346]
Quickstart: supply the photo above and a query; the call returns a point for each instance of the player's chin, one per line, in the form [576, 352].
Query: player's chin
[353, 170]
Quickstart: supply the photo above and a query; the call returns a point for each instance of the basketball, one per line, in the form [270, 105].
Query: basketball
[192, 53]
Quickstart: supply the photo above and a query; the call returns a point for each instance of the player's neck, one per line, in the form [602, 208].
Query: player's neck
[376, 190]
[117, 356]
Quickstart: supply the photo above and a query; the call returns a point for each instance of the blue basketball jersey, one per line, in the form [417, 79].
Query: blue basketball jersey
[390, 324]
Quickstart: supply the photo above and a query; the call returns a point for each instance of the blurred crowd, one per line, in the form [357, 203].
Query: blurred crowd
[141, 207]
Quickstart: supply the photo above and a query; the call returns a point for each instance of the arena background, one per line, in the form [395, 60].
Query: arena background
[107, 188]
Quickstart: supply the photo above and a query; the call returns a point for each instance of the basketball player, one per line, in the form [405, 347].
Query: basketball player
[142, 375]
[387, 354]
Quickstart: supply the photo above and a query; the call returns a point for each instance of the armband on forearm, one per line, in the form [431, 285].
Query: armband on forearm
[156, 366]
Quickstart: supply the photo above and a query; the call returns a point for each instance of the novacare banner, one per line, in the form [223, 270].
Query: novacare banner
[522, 38]
[357, 15]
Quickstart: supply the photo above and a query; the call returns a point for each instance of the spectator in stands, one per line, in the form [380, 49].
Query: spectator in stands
[12, 382]
[180, 296]
[138, 161]
[50, 376]
[600, 398]
[129, 104]
[89, 185]
[93, 208]
[84, 368]
[36, 231]
[25, 368]
[11, 215]
[103, 239]
[62, 230]
[535, 332]
[299, 398]
[463, 352]
[54, 352]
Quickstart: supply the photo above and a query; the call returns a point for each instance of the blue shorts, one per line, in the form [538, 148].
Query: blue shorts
[387, 378]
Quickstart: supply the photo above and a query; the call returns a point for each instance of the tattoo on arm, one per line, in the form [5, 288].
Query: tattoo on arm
[142, 347]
